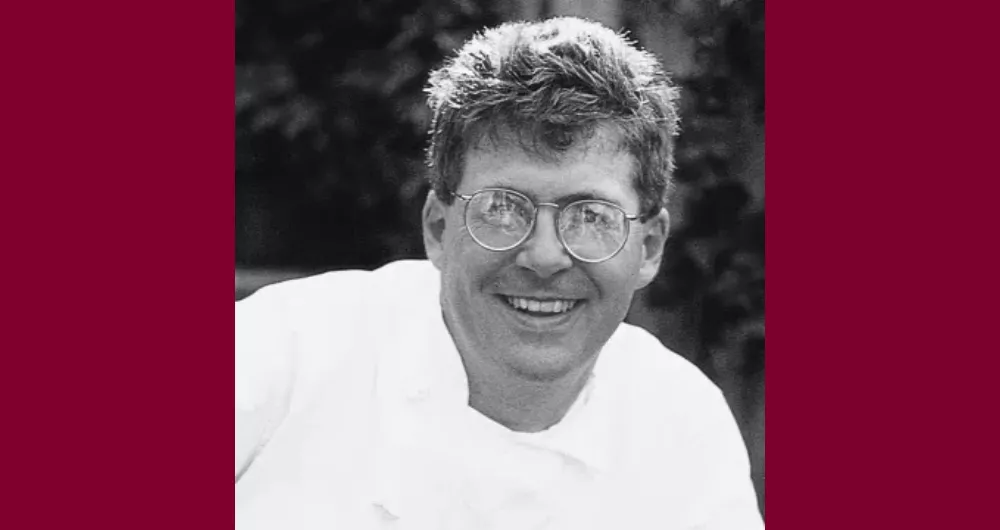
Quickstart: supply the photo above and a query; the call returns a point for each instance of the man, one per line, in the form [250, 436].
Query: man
[496, 386]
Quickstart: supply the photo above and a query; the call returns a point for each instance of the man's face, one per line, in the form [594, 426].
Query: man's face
[484, 293]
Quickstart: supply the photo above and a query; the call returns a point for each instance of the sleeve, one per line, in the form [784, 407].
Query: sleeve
[264, 372]
[730, 501]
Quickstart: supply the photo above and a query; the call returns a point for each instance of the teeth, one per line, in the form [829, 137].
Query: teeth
[541, 306]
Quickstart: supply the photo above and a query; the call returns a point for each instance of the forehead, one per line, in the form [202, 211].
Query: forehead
[597, 167]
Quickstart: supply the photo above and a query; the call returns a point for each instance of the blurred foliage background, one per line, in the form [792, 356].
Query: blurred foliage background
[330, 131]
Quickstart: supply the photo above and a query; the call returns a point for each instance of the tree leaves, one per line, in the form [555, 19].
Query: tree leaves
[714, 264]
[330, 121]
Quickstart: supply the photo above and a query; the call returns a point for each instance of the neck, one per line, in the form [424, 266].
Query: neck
[519, 403]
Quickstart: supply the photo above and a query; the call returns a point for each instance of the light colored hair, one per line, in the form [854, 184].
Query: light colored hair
[549, 85]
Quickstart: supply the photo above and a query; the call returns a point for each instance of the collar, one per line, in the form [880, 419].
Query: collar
[584, 434]
[431, 372]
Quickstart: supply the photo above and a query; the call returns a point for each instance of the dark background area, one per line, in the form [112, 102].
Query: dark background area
[330, 132]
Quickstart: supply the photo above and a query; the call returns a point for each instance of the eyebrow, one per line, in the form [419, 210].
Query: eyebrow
[588, 195]
[584, 196]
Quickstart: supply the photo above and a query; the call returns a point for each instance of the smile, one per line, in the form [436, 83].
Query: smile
[540, 307]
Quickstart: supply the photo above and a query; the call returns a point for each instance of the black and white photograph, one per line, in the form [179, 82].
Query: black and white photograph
[499, 264]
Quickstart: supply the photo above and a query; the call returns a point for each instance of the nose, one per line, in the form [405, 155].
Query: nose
[543, 252]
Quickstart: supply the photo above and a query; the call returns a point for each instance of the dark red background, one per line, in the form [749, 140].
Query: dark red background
[117, 212]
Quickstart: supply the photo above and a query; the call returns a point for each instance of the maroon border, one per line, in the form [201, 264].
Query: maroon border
[118, 209]
[880, 303]
[118, 252]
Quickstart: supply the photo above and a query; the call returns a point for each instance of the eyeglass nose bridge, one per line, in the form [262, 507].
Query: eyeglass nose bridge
[559, 209]
[538, 206]
[555, 222]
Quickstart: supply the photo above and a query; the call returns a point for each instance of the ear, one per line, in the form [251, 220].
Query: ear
[433, 221]
[655, 233]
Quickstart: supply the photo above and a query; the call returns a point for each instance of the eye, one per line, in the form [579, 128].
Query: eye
[501, 205]
[597, 215]
[504, 210]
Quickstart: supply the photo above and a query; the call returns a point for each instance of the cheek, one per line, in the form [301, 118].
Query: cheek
[618, 278]
[470, 265]
[456, 242]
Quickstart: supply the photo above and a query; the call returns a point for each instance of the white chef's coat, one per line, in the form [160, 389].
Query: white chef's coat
[351, 412]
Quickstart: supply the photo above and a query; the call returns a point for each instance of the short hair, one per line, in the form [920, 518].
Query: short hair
[550, 85]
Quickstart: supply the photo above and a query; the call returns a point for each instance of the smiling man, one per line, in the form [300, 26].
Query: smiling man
[496, 386]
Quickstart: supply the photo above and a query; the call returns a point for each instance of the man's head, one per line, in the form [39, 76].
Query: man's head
[548, 85]
[534, 282]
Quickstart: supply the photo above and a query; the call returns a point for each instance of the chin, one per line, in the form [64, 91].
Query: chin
[545, 368]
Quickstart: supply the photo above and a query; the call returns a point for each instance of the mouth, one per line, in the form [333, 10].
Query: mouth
[541, 307]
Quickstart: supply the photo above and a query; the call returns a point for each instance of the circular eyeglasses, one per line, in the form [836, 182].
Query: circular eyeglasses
[591, 230]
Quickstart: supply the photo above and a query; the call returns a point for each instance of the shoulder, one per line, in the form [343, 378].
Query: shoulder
[664, 394]
[326, 316]
[311, 326]
[342, 293]
[675, 417]
[637, 356]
